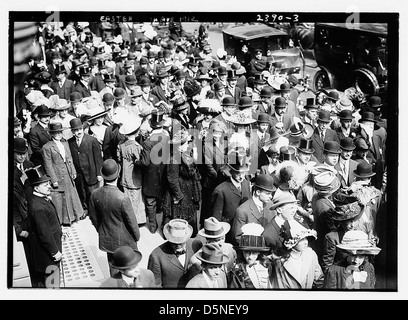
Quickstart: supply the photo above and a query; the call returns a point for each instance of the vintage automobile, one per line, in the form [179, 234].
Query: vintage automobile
[351, 56]
[241, 42]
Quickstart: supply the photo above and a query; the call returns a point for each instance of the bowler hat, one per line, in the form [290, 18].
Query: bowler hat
[292, 232]
[156, 119]
[108, 97]
[130, 79]
[331, 147]
[179, 74]
[228, 101]
[42, 111]
[177, 231]
[75, 123]
[162, 73]
[367, 116]
[347, 144]
[324, 116]
[145, 81]
[310, 104]
[263, 118]
[218, 86]
[214, 228]
[374, 102]
[222, 70]
[20, 145]
[143, 60]
[280, 102]
[361, 145]
[333, 95]
[55, 127]
[75, 96]
[245, 102]
[232, 75]
[285, 87]
[239, 69]
[364, 170]
[347, 207]
[266, 92]
[212, 253]
[305, 146]
[36, 175]
[345, 115]
[258, 78]
[265, 182]
[110, 169]
[125, 257]
[119, 93]
[215, 65]
[287, 153]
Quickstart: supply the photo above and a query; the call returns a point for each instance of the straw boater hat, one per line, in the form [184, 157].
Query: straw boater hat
[326, 182]
[211, 253]
[252, 239]
[214, 229]
[125, 258]
[131, 125]
[292, 232]
[347, 207]
[358, 242]
[177, 231]
[240, 118]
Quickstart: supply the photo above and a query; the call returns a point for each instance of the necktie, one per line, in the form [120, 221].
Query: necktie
[179, 253]
[78, 142]
[322, 135]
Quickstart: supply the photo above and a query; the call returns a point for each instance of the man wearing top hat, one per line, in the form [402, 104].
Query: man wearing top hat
[305, 154]
[322, 133]
[39, 135]
[257, 208]
[346, 165]
[119, 68]
[112, 214]
[110, 84]
[231, 89]
[87, 159]
[280, 119]
[62, 86]
[221, 76]
[310, 112]
[46, 233]
[83, 86]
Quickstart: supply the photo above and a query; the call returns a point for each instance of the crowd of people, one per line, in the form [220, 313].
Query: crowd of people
[255, 188]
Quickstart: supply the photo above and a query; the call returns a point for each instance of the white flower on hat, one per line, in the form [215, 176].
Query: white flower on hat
[253, 229]
[34, 96]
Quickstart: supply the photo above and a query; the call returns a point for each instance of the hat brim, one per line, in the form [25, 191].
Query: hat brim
[260, 249]
[364, 176]
[332, 151]
[225, 259]
[177, 240]
[276, 205]
[131, 264]
[332, 189]
[308, 151]
[265, 188]
[347, 149]
[338, 217]
[40, 180]
[98, 115]
[226, 228]
[367, 250]
[113, 176]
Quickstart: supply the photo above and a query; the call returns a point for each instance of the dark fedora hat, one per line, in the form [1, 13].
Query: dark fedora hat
[364, 170]
[212, 253]
[361, 144]
[130, 79]
[266, 92]
[156, 119]
[263, 118]
[43, 111]
[232, 75]
[145, 81]
[347, 144]
[75, 123]
[245, 102]
[305, 146]
[36, 175]
[287, 153]
[311, 104]
[125, 258]
[331, 147]
[215, 65]
[280, 102]
[20, 145]
[367, 116]
[265, 181]
[347, 207]
[110, 169]
[345, 115]
[55, 127]
[324, 116]
[162, 73]
[179, 103]
[258, 78]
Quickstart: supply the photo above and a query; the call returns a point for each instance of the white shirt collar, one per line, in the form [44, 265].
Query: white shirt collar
[258, 203]
[279, 220]
[235, 183]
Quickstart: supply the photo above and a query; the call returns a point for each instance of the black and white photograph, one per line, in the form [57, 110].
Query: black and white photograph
[203, 153]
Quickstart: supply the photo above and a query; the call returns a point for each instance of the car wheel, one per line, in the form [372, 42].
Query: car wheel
[321, 80]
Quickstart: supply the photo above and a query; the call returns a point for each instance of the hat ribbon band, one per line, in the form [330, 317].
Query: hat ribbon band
[214, 233]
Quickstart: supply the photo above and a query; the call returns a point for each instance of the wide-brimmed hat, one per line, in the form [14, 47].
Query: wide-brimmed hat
[347, 207]
[110, 169]
[125, 258]
[358, 242]
[20, 145]
[212, 253]
[252, 239]
[179, 103]
[305, 146]
[292, 232]
[265, 182]
[240, 118]
[326, 182]
[364, 170]
[62, 104]
[131, 125]
[157, 118]
[283, 198]
[324, 116]
[311, 104]
[345, 115]
[331, 147]
[214, 229]
[367, 116]
[56, 127]
[209, 106]
[96, 113]
[347, 144]
[238, 160]
[204, 76]
[177, 231]
[36, 175]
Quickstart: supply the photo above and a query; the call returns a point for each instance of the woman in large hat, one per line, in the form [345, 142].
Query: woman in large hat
[250, 271]
[58, 164]
[355, 271]
[298, 267]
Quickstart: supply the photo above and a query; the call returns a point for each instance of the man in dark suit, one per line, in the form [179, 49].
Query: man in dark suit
[231, 89]
[230, 194]
[285, 206]
[63, 87]
[112, 214]
[46, 231]
[87, 159]
[257, 208]
[345, 128]
[170, 262]
[39, 135]
[280, 119]
[346, 165]
[83, 86]
[153, 158]
[322, 133]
